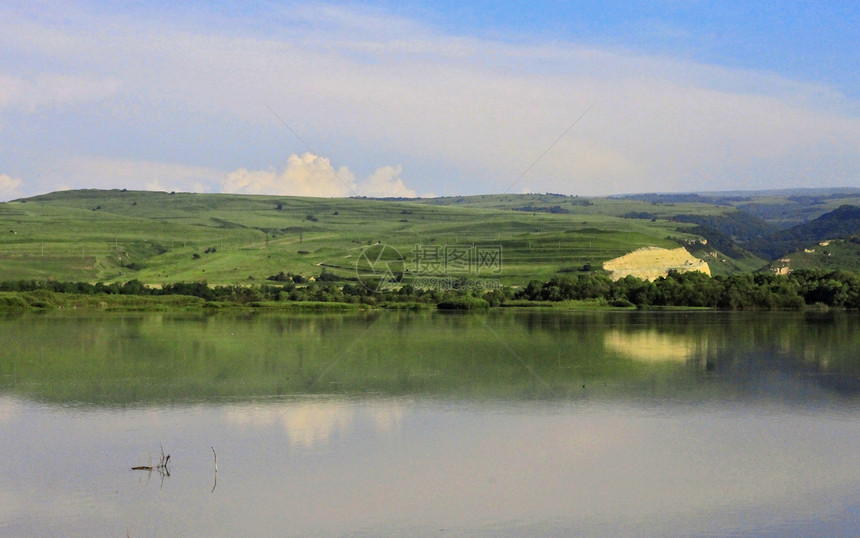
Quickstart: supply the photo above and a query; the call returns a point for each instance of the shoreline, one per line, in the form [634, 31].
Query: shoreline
[43, 302]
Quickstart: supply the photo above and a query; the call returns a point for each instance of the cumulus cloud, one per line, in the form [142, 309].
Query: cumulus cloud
[305, 175]
[312, 175]
[9, 186]
[386, 181]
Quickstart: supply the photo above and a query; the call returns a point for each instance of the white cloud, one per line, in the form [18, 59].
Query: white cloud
[386, 181]
[482, 111]
[305, 175]
[311, 175]
[9, 186]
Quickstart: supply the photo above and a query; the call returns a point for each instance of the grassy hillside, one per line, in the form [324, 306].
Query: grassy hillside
[831, 255]
[843, 222]
[776, 225]
[160, 237]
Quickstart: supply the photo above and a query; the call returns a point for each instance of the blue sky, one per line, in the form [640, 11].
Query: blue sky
[413, 98]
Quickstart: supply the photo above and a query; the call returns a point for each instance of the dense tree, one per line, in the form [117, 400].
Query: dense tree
[839, 289]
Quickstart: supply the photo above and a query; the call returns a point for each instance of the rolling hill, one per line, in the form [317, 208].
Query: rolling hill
[843, 222]
[159, 237]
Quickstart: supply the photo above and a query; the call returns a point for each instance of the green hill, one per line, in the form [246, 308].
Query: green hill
[158, 237]
[841, 223]
[837, 254]
[773, 225]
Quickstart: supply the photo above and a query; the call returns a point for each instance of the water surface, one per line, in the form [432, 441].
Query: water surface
[510, 423]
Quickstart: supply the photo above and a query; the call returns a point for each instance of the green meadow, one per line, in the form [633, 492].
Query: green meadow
[159, 237]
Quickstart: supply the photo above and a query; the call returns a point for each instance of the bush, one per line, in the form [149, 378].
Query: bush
[13, 302]
[41, 299]
[326, 276]
[463, 303]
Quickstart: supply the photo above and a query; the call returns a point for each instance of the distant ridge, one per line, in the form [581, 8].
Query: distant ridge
[803, 191]
[841, 223]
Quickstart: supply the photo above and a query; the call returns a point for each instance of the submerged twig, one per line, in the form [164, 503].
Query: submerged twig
[160, 468]
[215, 456]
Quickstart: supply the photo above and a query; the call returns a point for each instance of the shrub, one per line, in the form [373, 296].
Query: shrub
[463, 303]
[13, 302]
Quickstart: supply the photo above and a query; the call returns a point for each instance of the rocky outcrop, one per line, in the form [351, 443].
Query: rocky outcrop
[650, 263]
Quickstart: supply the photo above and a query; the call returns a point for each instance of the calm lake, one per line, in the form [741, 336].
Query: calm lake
[510, 423]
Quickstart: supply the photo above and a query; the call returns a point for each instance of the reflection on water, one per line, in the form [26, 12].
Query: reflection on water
[503, 424]
[148, 359]
[314, 422]
[651, 345]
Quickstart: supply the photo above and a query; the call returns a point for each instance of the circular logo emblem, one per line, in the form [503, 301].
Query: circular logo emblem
[380, 267]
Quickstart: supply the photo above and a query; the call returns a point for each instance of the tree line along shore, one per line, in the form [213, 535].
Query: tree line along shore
[761, 291]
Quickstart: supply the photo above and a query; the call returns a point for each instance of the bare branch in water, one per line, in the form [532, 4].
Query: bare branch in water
[215, 455]
[161, 468]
